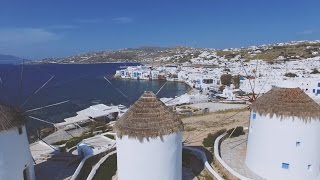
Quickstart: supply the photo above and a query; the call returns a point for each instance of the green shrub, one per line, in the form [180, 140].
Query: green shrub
[60, 142]
[226, 79]
[87, 166]
[107, 169]
[315, 71]
[236, 132]
[109, 136]
[75, 140]
[103, 128]
[236, 81]
[209, 140]
[289, 74]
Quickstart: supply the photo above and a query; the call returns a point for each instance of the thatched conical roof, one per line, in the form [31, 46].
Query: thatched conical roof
[9, 118]
[148, 117]
[287, 102]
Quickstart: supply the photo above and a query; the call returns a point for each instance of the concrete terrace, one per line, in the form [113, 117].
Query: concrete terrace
[233, 152]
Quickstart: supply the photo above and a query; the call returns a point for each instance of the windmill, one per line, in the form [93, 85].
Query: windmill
[252, 96]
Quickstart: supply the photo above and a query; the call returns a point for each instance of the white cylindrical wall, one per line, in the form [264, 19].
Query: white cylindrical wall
[273, 141]
[154, 159]
[15, 155]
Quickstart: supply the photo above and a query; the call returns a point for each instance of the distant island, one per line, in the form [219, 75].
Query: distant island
[9, 59]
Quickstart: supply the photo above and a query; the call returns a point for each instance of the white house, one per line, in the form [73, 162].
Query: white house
[149, 141]
[315, 87]
[15, 157]
[284, 136]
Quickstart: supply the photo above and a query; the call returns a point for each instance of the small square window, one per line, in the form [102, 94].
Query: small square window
[285, 166]
[309, 167]
[254, 116]
[298, 144]
[20, 130]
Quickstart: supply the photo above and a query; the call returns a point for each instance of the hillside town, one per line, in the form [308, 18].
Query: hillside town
[230, 78]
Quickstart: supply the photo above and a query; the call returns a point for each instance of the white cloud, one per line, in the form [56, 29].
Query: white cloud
[63, 26]
[307, 32]
[26, 36]
[122, 20]
[90, 21]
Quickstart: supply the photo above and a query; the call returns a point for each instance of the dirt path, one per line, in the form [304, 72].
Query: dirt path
[198, 127]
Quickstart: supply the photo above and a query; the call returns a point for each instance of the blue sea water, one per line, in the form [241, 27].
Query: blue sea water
[82, 84]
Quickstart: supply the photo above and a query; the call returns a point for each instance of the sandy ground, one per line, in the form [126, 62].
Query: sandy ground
[196, 128]
[233, 152]
[215, 106]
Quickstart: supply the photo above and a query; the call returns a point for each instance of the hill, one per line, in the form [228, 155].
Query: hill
[181, 54]
[9, 59]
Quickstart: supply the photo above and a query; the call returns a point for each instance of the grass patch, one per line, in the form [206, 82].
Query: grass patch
[87, 167]
[230, 110]
[107, 169]
[109, 136]
[103, 128]
[75, 140]
[60, 142]
[188, 128]
[89, 163]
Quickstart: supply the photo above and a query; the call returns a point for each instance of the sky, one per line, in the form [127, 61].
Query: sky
[42, 28]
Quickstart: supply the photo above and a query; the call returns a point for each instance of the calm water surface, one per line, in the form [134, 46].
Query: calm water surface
[82, 84]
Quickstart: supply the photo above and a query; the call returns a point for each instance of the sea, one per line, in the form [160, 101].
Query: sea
[30, 86]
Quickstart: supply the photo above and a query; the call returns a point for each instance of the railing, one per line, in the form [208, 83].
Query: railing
[76, 173]
[96, 167]
[79, 168]
[224, 166]
[205, 160]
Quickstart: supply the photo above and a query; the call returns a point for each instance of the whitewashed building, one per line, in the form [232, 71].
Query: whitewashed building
[149, 141]
[284, 136]
[15, 157]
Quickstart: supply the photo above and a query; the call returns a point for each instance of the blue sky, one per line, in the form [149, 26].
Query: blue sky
[43, 28]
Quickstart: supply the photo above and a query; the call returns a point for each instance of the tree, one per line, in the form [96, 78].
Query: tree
[221, 88]
[289, 74]
[226, 79]
[254, 71]
[315, 71]
[236, 81]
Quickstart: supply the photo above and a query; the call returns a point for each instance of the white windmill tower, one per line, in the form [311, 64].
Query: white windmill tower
[15, 158]
[149, 141]
[284, 136]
